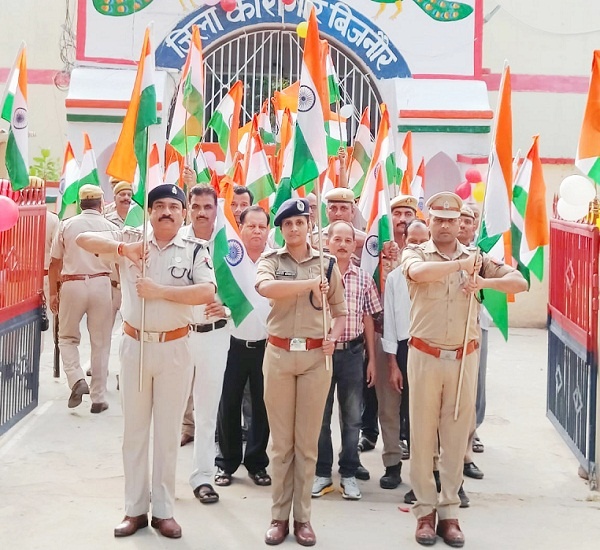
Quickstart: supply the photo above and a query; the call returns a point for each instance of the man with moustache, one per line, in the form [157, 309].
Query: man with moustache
[209, 340]
[178, 276]
[441, 275]
[244, 366]
[362, 301]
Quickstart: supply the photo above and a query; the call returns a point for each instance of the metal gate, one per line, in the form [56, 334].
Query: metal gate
[573, 337]
[21, 273]
[270, 59]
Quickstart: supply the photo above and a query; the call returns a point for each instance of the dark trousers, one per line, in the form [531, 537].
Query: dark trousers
[243, 364]
[369, 420]
[402, 360]
[348, 376]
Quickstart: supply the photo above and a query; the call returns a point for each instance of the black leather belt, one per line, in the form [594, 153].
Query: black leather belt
[209, 326]
[350, 343]
[250, 344]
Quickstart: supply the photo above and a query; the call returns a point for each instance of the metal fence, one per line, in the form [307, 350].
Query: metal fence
[573, 337]
[21, 278]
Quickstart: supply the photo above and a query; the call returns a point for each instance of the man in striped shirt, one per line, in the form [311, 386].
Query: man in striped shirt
[363, 302]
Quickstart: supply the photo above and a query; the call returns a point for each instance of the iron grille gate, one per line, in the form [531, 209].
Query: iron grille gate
[572, 338]
[271, 59]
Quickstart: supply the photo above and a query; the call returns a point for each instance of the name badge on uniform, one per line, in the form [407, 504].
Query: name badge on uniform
[283, 274]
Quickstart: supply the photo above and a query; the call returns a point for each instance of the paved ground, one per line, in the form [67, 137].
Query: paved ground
[61, 482]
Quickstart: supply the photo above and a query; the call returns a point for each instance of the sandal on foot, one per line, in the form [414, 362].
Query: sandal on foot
[222, 478]
[206, 494]
[478, 445]
[260, 478]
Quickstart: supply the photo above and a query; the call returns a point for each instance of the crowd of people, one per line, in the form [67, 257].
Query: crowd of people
[392, 349]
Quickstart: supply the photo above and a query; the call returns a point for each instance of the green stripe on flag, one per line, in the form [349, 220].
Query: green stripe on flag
[221, 128]
[16, 165]
[594, 172]
[497, 305]
[304, 168]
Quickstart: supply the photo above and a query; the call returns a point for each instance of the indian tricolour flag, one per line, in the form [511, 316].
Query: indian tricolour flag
[286, 99]
[132, 146]
[376, 212]
[588, 148]
[405, 165]
[310, 147]
[417, 187]
[225, 121]
[361, 155]
[188, 115]
[285, 143]
[496, 219]
[259, 179]
[135, 215]
[333, 83]
[69, 177]
[529, 213]
[264, 124]
[88, 173]
[15, 103]
[201, 167]
[233, 272]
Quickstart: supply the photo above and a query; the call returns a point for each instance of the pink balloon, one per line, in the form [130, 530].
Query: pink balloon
[9, 213]
[473, 175]
[288, 2]
[228, 5]
[463, 190]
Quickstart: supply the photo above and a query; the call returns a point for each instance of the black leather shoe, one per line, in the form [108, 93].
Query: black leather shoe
[98, 407]
[365, 444]
[362, 473]
[410, 497]
[391, 479]
[130, 525]
[471, 470]
[464, 499]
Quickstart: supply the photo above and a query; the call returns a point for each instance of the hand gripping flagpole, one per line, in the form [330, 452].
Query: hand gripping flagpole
[144, 249]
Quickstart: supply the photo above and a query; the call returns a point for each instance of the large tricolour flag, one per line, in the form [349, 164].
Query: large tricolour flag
[588, 148]
[529, 212]
[188, 116]
[310, 145]
[233, 272]
[496, 219]
[15, 103]
[132, 145]
[259, 179]
[69, 177]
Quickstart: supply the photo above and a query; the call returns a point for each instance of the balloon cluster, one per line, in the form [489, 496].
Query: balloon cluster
[576, 192]
[472, 187]
[9, 213]
[228, 5]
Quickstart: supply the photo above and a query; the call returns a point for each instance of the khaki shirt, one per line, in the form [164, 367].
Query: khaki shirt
[115, 218]
[295, 317]
[77, 261]
[438, 312]
[172, 266]
[52, 223]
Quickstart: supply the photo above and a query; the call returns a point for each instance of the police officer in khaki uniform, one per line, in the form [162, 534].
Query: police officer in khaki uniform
[441, 274]
[85, 290]
[296, 380]
[178, 276]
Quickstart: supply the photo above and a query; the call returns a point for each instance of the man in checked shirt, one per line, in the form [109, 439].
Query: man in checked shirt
[363, 301]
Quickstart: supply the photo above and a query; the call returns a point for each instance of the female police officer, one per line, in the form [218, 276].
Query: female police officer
[296, 379]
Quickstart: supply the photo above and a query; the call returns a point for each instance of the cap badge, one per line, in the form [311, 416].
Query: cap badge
[300, 205]
[174, 190]
[446, 205]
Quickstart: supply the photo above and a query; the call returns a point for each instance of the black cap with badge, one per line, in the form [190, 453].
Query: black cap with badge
[291, 207]
[166, 191]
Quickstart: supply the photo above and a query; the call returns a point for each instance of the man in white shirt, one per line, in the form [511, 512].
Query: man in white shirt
[244, 365]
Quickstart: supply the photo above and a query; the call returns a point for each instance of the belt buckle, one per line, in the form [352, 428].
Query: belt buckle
[152, 337]
[297, 344]
[448, 354]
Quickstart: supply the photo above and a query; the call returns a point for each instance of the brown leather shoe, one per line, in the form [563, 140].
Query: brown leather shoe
[425, 533]
[277, 531]
[167, 527]
[98, 407]
[449, 530]
[185, 439]
[130, 525]
[79, 389]
[305, 536]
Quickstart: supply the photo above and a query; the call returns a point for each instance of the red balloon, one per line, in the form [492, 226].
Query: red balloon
[228, 5]
[9, 213]
[287, 2]
[473, 175]
[463, 190]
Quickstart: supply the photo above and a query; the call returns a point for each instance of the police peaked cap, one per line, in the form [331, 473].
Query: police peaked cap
[166, 191]
[291, 207]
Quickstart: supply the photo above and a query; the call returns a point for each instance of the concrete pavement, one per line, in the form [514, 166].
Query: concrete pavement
[61, 479]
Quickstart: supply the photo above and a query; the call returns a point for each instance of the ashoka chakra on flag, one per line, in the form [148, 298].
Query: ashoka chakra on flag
[235, 254]
[306, 98]
[373, 246]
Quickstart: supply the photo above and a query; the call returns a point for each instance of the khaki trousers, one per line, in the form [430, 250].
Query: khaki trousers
[90, 297]
[433, 384]
[388, 408]
[115, 303]
[166, 382]
[296, 388]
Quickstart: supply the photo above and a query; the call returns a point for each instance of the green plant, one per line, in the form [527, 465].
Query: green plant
[45, 167]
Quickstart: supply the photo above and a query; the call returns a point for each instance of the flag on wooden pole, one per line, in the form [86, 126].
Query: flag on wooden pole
[588, 148]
